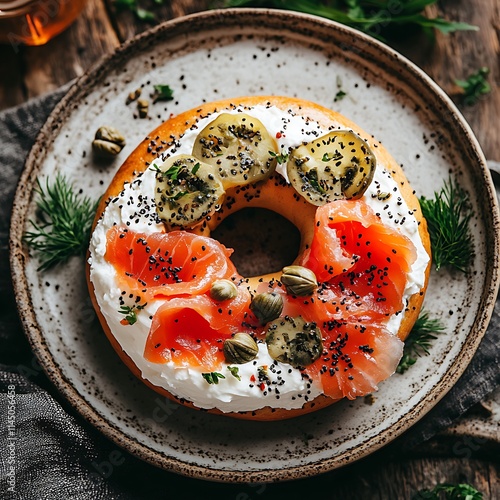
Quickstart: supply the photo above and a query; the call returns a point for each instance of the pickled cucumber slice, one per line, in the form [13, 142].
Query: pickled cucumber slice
[338, 165]
[294, 341]
[187, 190]
[239, 146]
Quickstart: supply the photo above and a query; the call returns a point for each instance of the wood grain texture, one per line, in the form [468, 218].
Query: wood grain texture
[457, 55]
[127, 24]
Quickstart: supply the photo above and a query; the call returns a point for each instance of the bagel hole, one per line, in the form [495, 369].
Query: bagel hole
[263, 241]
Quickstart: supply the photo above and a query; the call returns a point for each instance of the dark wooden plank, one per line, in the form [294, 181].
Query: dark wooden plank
[457, 55]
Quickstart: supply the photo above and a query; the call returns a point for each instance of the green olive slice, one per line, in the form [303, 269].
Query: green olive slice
[187, 190]
[338, 165]
[239, 146]
[294, 341]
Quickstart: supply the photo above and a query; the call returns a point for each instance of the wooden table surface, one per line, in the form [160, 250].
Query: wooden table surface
[27, 72]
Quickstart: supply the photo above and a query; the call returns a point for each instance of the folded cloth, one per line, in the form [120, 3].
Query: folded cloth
[54, 453]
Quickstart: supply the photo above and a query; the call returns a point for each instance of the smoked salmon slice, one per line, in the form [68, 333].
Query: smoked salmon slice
[362, 262]
[190, 331]
[166, 264]
[356, 358]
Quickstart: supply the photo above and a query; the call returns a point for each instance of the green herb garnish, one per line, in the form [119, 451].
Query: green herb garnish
[475, 86]
[448, 216]
[451, 492]
[419, 340]
[162, 93]
[280, 158]
[212, 377]
[234, 371]
[334, 156]
[139, 12]
[370, 16]
[131, 312]
[64, 219]
[340, 93]
[312, 178]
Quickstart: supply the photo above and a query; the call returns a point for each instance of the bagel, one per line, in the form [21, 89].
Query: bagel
[134, 312]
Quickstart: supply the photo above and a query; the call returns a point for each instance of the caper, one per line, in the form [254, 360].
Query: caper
[338, 165]
[108, 141]
[222, 290]
[241, 348]
[142, 107]
[135, 94]
[299, 280]
[239, 147]
[267, 306]
[294, 341]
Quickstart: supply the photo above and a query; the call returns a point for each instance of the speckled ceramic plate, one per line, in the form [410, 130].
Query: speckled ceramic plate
[223, 54]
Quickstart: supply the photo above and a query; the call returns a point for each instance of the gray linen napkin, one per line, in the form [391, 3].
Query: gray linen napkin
[59, 455]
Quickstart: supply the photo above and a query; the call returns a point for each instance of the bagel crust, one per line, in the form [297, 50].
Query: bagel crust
[283, 200]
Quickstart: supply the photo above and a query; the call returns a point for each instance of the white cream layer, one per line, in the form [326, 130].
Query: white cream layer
[287, 388]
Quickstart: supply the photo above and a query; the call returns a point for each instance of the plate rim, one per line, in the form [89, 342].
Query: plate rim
[35, 335]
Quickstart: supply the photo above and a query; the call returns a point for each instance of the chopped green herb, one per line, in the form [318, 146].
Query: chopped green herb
[475, 86]
[63, 222]
[340, 93]
[280, 158]
[449, 492]
[131, 312]
[312, 177]
[332, 156]
[234, 371]
[212, 377]
[162, 93]
[448, 216]
[195, 169]
[371, 16]
[419, 340]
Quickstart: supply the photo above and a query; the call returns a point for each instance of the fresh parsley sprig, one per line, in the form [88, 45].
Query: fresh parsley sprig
[370, 16]
[445, 491]
[419, 340]
[448, 216]
[63, 222]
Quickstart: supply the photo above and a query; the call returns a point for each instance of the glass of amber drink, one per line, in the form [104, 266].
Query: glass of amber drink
[35, 22]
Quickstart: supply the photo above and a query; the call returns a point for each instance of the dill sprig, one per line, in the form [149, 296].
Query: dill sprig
[419, 340]
[64, 219]
[448, 216]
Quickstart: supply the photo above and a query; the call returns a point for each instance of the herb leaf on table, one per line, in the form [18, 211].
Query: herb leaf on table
[450, 492]
[475, 86]
[370, 16]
